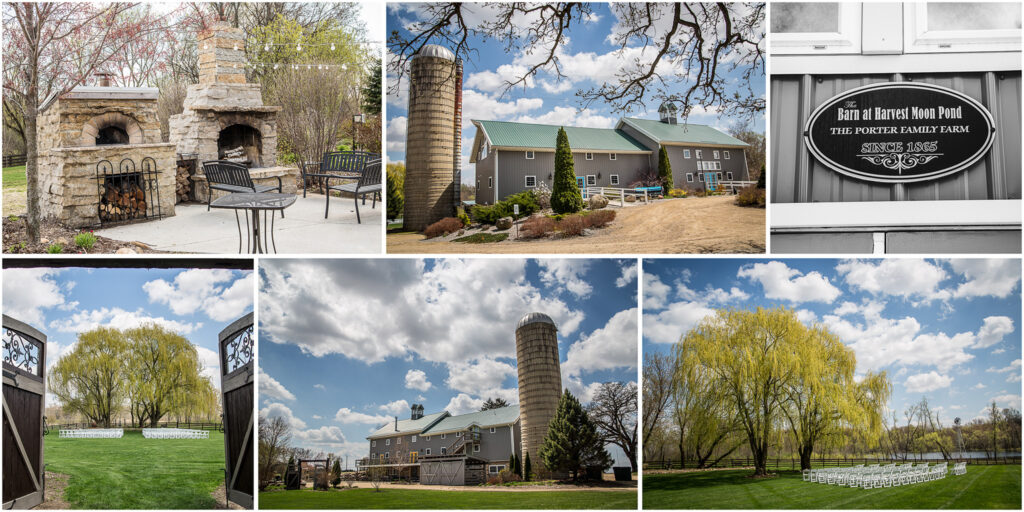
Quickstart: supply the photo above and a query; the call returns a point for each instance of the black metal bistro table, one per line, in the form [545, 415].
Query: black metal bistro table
[254, 204]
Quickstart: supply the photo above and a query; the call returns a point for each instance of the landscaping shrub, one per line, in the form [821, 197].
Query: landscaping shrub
[461, 214]
[396, 190]
[486, 214]
[490, 214]
[505, 476]
[483, 238]
[443, 227]
[599, 218]
[85, 240]
[572, 225]
[537, 227]
[677, 192]
[760, 179]
[55, 249]
[565, 196]
[543, 195]
[751, 196]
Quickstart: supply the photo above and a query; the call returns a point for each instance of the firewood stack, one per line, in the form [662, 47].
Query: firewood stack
[236, 155]
[183, 184]
[122, 203]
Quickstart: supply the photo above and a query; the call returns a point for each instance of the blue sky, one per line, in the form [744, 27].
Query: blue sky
[948, 330]
[589, 60]
[196, 303]
[346, 345]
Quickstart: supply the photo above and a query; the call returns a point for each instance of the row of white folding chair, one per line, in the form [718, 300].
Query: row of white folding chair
[960, 468]
[875, 475]
[93, 433]
[174, 433]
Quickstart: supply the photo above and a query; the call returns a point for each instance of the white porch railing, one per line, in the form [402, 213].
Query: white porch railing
[733, 186]
[615, 194]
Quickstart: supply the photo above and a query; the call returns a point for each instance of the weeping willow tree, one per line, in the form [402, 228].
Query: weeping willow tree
[825, 402]
[90, 379]
[705, 417]
[165, 372]
[764, 368]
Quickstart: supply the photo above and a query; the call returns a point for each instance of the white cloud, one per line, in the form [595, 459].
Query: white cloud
[925, 382]
[417, 379]
[397, 127]
[566, 273]
[329, 436]
[391, 308]
[655, 292]
[993, 330]
[496, 81]
[280, 410]
[846, 308]
[346, 416]
[667, 326]
[210, 362]
[477, 105]
[118, 319]
[611, 346]
[1012, 367]
[806, 316]
[28, 291]
[395, 407]
[271, 388]
[978, 386]
[568, 116]
[320, 387]
[986, 277]
[781, 282]
[1007, 400]
[998, 351]
[463, 403]
[204, 289]
[880, 342]
[479, 377]
[317, 417]
[628, 275]
[912, 279]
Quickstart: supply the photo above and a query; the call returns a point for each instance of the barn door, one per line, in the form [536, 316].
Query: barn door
[24, 387]
[236, 363]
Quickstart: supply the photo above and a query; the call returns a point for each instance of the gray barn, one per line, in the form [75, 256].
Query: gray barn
[514, 157]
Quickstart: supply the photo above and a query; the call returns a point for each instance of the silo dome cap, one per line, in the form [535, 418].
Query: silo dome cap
[435, 50]
[534, 318]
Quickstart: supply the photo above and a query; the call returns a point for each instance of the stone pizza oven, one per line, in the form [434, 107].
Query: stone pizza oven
[224, 116]
[101, 159]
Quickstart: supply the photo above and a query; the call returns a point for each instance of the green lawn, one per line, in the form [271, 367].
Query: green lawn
[426, 499]
[138, 473]
[14, 177]
[981, 487]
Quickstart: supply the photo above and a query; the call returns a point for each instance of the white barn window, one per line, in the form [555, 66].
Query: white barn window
[531, 181]
[699, 155]
[490, 181]
[725, 154]
[716, 155]
[689, 177]
[612, 156]
[588, 156]
[614, 179]
[728, 176]
[591, 180]
[686, 153]
[530, 155]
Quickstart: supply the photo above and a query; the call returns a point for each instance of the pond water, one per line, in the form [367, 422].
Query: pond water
[959, 455]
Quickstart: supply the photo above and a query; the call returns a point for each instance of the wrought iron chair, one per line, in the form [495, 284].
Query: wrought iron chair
[344, 165]
[369, 183]
[232, 177]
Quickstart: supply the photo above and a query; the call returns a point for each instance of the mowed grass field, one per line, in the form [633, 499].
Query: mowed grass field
[426, 499]
[983, 487]
[138, 473]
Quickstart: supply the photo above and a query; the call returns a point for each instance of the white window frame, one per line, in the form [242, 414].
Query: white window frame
[387, 455]
[387, 442]
[686, 153]
[476, 448]
[613, 156]
[492, 430]
[490, 181]
[373, 444]
[413, 438]
[526, 181]
[699, 154]
[728, 176]
[426, 451]
[716, 154]
[483, 151]
[689, 177]
[445, 435]
[426, 438]
[918, 39]
[444, 450]
[719, 176]
[398, 440]
[588, 156]
[530, 155]
[613, 179]
[494, 469]
[718, 166]
[591, 180]
[846, 40]
[700, 177]
[725, 154]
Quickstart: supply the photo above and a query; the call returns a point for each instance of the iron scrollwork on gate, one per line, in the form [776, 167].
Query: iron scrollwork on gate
[21, 351]
[238, 351]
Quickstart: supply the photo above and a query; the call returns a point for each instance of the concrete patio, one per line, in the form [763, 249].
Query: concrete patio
[303, 230]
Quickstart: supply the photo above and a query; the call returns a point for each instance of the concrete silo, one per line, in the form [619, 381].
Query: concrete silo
[433, 137]
[540, 381]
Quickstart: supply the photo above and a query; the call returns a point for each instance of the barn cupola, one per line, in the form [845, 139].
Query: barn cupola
[417, 411]
[668, 111]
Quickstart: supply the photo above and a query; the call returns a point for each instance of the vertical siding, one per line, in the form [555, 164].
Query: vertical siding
[797, 177]
[484, 170]
[514, 167]
[682, 166]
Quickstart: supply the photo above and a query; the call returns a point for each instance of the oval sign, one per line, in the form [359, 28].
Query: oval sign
[898, 132]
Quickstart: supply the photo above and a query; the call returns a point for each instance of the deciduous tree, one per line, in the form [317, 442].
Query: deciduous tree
[659, 381]
[613, 411]
[274, 436]
[163, 367]
[91, 379]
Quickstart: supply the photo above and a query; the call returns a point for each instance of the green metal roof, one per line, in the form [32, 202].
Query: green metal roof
[489, 418]
[408, 426]
[684, 133]
[543, 136]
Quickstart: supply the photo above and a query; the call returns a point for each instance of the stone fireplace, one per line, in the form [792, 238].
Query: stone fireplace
[91, 129]
[224, 116]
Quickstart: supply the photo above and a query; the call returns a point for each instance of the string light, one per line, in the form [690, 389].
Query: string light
[266, 47]
[298, 47]
[332, 47]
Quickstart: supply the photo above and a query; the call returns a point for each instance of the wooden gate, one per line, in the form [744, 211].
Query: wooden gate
[24, 390]
[236, 346]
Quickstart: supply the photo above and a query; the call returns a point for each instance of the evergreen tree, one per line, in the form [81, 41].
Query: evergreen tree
[572, 443]
[336, 473]
[565, 194]
[494, 403]
[372, 90]
[513, 464]
[527, 468]
[396, 190]
[760, 179]
[664, 171]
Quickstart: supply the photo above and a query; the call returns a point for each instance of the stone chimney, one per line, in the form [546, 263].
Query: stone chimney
[221, 55]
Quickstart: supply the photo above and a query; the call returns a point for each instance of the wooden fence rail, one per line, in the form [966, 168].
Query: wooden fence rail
[794, 463]
[10, 160]
[194, 425]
